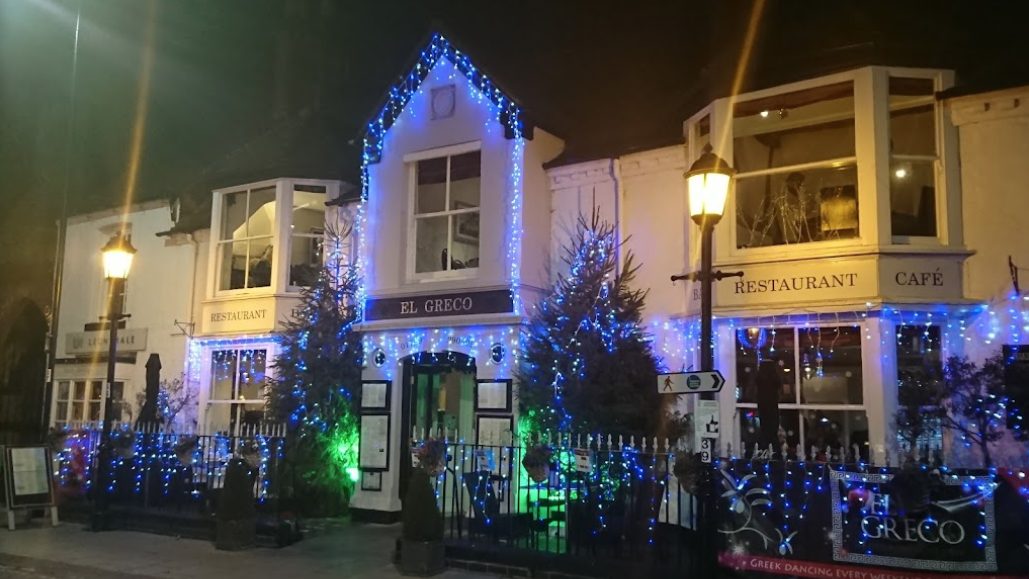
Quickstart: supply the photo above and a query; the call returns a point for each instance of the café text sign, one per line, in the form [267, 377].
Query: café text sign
[88, 343]
[439, 305]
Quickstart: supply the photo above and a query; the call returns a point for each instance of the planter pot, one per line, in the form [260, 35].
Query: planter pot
[422, 559]
[126, 453]
[434, 468]
[253, 460]
[538, 473]
[236, 535]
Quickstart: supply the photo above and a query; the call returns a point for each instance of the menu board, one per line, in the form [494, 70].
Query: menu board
[375, 395]
[27, 476]
[375, 441]
[493, 395]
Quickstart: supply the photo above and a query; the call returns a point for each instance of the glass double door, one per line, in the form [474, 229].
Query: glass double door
[440, 403]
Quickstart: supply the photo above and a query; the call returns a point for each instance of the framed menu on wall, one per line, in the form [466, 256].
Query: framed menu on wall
[375, 394]
[374, 448]
[494, 430]
[493, 395]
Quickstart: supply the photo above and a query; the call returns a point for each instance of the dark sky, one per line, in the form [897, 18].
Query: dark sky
[226, 71]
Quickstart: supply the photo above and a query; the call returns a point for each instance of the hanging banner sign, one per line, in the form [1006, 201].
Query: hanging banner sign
[827, 520]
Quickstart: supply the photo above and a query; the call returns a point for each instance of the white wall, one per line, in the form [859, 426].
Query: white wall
[389, 190]
[158, 288]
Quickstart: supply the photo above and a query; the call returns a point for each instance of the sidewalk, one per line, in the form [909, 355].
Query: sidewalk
[347, 552]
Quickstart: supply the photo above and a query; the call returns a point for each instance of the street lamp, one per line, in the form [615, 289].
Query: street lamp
[707, 184]
[117, 258]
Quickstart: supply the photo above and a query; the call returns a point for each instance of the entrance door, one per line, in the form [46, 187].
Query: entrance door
[438, 401]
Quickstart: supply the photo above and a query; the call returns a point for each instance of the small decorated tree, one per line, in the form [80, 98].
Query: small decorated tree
[587, 365]
[976, 408]
[317, 385]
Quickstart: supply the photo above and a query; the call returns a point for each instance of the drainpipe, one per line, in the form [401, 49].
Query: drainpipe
[62, 232]
[616, 172]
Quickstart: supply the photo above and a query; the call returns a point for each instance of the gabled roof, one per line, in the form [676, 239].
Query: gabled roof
[512, 114]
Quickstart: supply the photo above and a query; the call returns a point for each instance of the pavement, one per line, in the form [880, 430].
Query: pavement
[68, 551]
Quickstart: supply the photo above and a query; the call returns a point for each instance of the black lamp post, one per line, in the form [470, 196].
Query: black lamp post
[708, 183]
[118, 254]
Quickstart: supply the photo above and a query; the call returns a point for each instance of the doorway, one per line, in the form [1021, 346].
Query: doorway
[438, 400]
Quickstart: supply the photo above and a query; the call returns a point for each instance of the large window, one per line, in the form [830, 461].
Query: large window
[919, 361]
[446, 213]
[236, 397]
[801, 386]
[245, 237]
[796, 157]
[307, 240]
[80, 401]
[912, 157]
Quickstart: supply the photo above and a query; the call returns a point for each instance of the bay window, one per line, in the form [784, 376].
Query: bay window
[269, 236]
[802, 387]
[245, 240]
[912, 157]
[445, 216]
[796, 157]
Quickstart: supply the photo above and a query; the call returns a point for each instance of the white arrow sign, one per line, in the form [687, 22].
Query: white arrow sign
[690, 382]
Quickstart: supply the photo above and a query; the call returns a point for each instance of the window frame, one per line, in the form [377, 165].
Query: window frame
[207, 402]
[282, 236]
[940, 82]
[801, 407]
[411, 162]
[308, 237]
[67, 421]
[217, 242]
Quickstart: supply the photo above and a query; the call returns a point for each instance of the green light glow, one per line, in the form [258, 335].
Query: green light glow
[354, 473]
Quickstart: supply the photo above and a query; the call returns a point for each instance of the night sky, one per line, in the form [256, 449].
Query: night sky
[611, 75]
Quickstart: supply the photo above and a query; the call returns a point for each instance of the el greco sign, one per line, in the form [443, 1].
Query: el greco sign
[831, 279]
[439, 305]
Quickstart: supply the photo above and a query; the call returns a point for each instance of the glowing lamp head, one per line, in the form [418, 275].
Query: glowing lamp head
[118, 254]
[707, 184]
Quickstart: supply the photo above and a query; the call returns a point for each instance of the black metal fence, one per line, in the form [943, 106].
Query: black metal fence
[159, 471]
[604, 509]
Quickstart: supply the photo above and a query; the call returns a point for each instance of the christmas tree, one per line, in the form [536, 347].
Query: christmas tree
[586, 365]
[317, 385]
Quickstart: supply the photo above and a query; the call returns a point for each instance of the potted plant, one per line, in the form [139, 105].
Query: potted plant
[421, 551]
[432, 456]
[537, 461]
[237, 515]
[250, 450]
[57, 440]
[185, 449]
[125, 444]
[688, 470]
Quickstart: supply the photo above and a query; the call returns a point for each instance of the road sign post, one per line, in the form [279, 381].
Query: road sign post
[690, 382]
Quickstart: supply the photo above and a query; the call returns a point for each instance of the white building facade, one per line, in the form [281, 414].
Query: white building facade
[858, 227]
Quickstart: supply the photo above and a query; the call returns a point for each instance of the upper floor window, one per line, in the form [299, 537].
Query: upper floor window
[797, 163]
[245, 235]
[307, 237]
[445, 220]
[913, 157]
[270, 236]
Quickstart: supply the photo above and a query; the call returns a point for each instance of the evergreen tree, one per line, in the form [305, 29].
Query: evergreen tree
[317, 385]
[586, 366]
[975, 402]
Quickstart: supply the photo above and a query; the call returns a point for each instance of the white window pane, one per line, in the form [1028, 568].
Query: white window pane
[830, 365]
[431, 252]
[259, 263]
[61, 413]
[801, 127]
[223, 374]
[465, 172]
[466, 241]
[233, 261]
[307, 243]
[765, 365]
[835, 429]
[913, 198]
[797, 207]
[62, 390]
[80, 391]
[252, 366]
[431, 189]
[912, 119]
[234, 215]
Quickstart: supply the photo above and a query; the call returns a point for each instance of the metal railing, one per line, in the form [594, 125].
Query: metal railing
[155, 468]
[605, 505]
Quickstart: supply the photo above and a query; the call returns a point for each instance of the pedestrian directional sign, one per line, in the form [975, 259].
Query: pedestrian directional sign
[690, 382]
